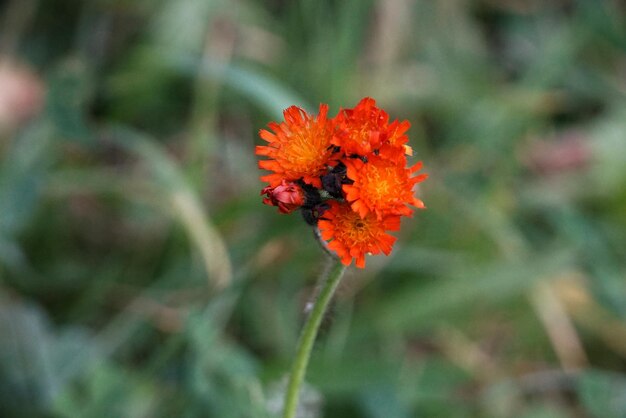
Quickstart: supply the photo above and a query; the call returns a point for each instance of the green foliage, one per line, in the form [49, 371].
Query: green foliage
[140, 275]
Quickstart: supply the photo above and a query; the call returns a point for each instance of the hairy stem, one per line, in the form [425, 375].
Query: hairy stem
[307, 338]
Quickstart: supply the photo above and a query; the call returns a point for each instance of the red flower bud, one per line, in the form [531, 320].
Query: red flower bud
[288, 196]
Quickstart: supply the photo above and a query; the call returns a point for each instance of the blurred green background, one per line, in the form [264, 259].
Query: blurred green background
[140, 275]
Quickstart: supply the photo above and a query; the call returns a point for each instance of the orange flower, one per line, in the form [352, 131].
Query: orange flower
[288, 196]
[299, 148]
[348, 175]
[381, 186]
[352, 236]
[366, 129]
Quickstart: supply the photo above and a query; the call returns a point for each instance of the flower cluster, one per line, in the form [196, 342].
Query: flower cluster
[348, 175]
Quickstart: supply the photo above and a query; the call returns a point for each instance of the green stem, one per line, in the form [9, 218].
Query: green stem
[307, 338]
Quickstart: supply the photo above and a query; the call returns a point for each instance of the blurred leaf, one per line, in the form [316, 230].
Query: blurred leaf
[356, 376]
[603, 394]
[608, 143]
[12, 256]
[604, 18]
[596, 256]
[543, 411]
[222, 377]
[68, 92]
[553, 56]
[108, 392]
[37, 362]
[184, 204]
[22, 176]
[182, 25]
[383, 402]
[267, 93]
[501, 280]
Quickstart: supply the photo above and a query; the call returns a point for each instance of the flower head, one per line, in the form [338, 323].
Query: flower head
[288, 196]
[348, 175]
[352, 237]
[298, 148]
[365, 129]
[381, 186]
